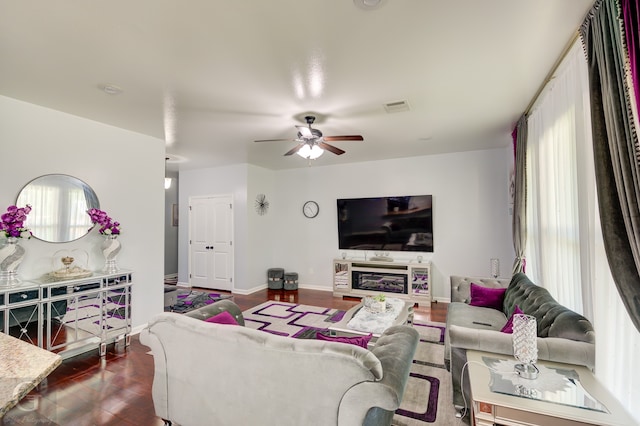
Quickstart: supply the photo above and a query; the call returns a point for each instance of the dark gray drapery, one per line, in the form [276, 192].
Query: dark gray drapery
[615, 150]
[519, 224]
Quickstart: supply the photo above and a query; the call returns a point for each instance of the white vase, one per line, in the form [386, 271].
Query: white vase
[379, 306]
[11, 255]
[110, 248]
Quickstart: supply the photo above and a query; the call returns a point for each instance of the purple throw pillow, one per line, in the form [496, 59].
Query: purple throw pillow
[508, 327]
[362, 341]
[487, 297]
[223, 317]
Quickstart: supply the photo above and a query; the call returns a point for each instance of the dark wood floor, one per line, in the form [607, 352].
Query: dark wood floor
[116, 390]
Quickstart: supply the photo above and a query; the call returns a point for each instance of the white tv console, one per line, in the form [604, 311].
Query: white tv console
[408, 281]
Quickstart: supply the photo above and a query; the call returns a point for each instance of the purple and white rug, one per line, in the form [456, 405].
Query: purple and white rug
[428, 396]
[189, 300]
[290, 319]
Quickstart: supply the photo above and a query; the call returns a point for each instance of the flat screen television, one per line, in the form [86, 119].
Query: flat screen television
[386, 223]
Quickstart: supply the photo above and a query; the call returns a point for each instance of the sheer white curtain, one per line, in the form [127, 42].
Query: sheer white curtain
[617, 340]
[564, 251]
[558, 129]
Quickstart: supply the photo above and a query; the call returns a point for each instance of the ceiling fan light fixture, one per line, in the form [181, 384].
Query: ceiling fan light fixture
[368, 4]
[310, 152]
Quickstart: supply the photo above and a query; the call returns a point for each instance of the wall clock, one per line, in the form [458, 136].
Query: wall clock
[310, 209]
[262, 205]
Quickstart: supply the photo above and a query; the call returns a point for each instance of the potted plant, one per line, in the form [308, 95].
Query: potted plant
[380, 303]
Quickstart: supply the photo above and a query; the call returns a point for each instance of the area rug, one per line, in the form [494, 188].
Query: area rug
[290, 319]
[189, 300]
[428, 396]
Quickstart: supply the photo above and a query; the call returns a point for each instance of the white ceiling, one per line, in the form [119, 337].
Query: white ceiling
[212, 76]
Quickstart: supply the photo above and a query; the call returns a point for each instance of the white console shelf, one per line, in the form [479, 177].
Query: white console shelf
[408, 281]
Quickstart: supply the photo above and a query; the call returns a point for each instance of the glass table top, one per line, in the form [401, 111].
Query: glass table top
[555, 385]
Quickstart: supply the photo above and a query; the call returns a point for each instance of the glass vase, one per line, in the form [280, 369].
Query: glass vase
[11, 255]
[110, 248]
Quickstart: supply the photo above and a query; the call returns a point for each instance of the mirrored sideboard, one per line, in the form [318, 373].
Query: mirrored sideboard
[72, 316]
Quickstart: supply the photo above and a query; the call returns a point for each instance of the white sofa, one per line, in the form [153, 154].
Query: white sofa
[213, 374]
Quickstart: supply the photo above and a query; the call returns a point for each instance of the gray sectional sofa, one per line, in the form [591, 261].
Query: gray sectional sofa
[220, 374]
[563, 335]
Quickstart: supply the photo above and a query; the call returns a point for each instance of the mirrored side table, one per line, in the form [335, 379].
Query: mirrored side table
[543, 401]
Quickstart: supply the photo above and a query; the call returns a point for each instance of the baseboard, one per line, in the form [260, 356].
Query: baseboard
[441, 299]
[247, 292]
[137, 329]
[316, 287]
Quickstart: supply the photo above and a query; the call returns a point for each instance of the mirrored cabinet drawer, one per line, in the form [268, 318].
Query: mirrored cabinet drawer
[24, 296]
[48, 292]
[118, 280]
[85, 287]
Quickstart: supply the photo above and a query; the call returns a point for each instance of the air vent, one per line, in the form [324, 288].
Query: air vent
[397, 106]
[111, 89]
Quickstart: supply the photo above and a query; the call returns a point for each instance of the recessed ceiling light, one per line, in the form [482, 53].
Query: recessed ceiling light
[111, 89]
[369, 4]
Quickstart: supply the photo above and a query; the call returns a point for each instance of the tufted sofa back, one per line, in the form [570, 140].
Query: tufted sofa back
[461, 286]
[553, 319]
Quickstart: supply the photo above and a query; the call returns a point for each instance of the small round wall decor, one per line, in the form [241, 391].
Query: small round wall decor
[310, 209]
[262, 204]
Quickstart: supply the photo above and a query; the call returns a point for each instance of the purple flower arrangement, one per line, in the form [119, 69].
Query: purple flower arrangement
[107, 225]
[12, 222]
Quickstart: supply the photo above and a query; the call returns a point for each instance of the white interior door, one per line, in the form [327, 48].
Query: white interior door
[211, 242]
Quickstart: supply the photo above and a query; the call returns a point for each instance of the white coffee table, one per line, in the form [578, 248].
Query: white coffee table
[343, 328]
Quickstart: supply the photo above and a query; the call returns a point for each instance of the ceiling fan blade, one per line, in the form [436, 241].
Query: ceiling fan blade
[305, 131]
[294, 149]
[343, 138]
[330, 148]
[276, 140]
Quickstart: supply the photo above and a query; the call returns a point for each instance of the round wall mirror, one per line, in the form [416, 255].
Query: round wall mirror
[59, 205]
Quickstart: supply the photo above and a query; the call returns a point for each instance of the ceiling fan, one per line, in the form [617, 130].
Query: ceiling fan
[311, 142]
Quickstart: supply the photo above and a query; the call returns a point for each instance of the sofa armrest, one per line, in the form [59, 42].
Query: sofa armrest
[480, 340]
[549, 348]
[395, 349]
[160, 386]
[215, 308]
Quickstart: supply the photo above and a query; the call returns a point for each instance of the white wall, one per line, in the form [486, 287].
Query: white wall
[263, 238]
[230, 180]
[471, 214]
[471, 219]
[170, 231]
[126, 171]
[253, 234]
